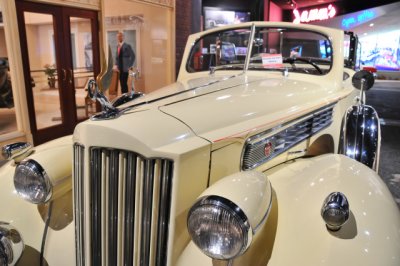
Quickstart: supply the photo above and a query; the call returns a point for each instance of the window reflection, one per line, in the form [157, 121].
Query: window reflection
[43, 66]
[8, 121]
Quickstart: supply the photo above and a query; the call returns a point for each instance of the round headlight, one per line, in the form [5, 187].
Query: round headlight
[31, 182]
[11, 244]
[219, 228]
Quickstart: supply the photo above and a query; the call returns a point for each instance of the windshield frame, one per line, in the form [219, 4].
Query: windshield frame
[247, 62]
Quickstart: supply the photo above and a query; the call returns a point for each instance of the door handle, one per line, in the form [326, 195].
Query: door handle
[64, 74]
[71, 73]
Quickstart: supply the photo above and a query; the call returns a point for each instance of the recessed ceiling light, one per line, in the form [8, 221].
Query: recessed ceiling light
[365, 33]
[371, 25]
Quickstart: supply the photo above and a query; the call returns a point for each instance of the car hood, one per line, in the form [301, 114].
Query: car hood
[240, 105]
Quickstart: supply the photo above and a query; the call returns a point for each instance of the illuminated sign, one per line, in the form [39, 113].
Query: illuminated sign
[314, 14]
[358, 18]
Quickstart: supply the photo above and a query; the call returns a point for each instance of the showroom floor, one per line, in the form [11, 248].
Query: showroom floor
[384, 97]
[389, 168]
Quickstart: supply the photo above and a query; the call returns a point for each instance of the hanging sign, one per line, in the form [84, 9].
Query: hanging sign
[358, 18]
[314, 14]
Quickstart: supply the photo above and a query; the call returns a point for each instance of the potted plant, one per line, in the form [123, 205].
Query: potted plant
[50, 71]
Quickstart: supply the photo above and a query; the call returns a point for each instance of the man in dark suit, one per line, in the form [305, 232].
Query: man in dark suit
[125, 58]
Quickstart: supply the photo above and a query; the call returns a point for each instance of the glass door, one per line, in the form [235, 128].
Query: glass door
[81, 27]
[60, 53]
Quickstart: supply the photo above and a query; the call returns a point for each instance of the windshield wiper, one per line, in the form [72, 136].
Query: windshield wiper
[230, 67]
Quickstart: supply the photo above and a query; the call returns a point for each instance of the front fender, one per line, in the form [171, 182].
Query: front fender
[300, 237]
[29, 219]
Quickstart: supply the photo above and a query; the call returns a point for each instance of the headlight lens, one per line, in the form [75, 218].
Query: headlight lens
[219, 228]
[31, 182]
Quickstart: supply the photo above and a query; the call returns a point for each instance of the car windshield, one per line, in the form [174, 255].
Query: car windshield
[293, 49]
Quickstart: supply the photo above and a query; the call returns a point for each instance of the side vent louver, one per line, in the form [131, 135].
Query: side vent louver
[267, 145]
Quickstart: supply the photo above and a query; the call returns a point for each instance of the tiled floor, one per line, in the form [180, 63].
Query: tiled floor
[8, 122]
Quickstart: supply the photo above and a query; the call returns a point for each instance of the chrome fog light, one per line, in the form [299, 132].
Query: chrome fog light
[219, 228]
[11, 244]
[32, 182]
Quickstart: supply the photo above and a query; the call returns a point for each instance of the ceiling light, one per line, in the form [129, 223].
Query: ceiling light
[365, 33]
[292, 3]
[371, 25]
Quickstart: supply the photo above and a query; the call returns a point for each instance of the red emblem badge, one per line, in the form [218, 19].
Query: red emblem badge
[268, 148]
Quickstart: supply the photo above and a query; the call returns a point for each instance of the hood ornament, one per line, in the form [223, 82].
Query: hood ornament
[96, 89]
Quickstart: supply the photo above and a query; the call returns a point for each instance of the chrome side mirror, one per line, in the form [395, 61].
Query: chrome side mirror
[363, 80]
[360, 134]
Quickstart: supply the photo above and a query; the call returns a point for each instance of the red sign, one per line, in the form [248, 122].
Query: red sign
[314, 14]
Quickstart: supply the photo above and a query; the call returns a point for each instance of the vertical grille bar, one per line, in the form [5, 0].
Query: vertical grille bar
[113, 173]
[146, 212]
[96, 208]
[127, 214]
[130, 188]
[165, 202]
[79, 153]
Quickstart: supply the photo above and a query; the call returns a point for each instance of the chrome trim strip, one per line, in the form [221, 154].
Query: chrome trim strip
[79, 152]
[265, 217]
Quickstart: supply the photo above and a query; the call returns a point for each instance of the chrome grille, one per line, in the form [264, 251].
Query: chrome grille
[267, 145]
[128, 210]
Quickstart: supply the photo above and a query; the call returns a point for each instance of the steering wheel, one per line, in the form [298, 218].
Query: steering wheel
[292, 60]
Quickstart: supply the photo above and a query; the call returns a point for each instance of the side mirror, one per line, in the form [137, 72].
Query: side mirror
[363, 80]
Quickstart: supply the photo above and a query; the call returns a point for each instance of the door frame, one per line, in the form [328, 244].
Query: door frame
[63, 56]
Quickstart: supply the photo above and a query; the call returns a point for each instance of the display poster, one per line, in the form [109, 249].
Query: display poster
[381, 50]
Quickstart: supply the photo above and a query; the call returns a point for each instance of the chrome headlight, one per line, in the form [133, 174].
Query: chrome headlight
[11, 244]
[219, 227]
[32, 182]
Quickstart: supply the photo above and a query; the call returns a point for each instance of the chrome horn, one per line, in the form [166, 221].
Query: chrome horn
[360, 135]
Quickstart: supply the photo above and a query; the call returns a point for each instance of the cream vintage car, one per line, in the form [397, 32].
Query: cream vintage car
[262, 153]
